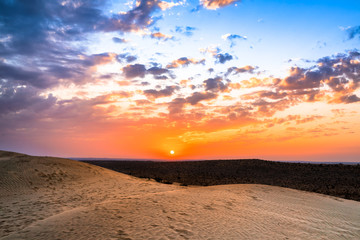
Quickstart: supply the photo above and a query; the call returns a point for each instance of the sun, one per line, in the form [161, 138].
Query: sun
[172, 152]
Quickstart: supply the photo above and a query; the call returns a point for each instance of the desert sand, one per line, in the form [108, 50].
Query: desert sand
[54, 198]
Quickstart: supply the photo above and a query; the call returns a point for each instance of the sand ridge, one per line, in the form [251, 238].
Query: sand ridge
[53, 198]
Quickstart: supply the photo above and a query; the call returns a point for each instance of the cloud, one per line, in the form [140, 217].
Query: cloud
[215, 85]
[47, 74]
[272, 95]
[297, 119]
[24, 98]
[353, 32]
[157, 70]
[166, 92]
[119, 40]
[349, 99]
[102, 58]
[196, 97]
[301, 78]
[232, 38]
[139, 70]
[222, 58]
[166, 5]
[136, 19]
[18, 74]
[142, 102]
[216, 53]
[339, 74]
[127, 57]
[213, 50]
[267, 108]
[184, 61]
[161, 36]
[161, 77]
[215, 4]
[44, 42]
[65, 21]
[187, 31]
[176, 106]
[46, 30]
[237, 70]
[135, 70]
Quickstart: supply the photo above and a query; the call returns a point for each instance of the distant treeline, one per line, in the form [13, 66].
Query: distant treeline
[332, 179]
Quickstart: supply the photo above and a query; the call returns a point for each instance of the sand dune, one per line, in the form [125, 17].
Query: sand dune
[53, 198]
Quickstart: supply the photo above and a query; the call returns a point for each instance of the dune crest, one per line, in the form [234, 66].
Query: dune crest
[54, 198]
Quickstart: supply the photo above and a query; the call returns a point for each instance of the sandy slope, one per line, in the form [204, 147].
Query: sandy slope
[53, 198]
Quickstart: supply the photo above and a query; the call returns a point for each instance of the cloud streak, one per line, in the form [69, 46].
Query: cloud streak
[215, 4]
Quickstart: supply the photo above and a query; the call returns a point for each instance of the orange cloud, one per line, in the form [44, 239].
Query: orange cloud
[215, 4]
[161, 36]
[184, 61]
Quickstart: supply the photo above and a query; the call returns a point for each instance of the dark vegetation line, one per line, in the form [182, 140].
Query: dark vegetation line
[332, 179]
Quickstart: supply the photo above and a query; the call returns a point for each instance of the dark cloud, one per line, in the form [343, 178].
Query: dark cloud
[176, 106]
[43, 38]
[145, 83]
[273, 95]
[350, 99]
[127, 57]
[22, 21]
[133, 20]
[23, 98]
[339, 73]
[158, 73]
[196, 97]
[353, 32]
[222, 58]
[337, 83]
[133, 71]
[161, 77]
[47, 74]
[301, 78]
[267, 108]
[215, 84]
[18, 74]
[166, 92]
[157, 70]
[69, 19]
[30, 23]
[139, 70]
[237, 70]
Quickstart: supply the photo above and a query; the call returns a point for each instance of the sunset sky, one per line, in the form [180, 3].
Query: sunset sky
[208, 79]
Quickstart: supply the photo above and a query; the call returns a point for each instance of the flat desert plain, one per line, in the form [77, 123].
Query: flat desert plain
[54, 198]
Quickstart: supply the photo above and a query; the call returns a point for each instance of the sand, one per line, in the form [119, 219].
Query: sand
[54, 198]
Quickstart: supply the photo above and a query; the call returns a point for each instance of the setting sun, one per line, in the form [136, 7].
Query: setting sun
[172, 152]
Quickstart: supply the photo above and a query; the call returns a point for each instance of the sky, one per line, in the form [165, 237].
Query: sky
[208, 79]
